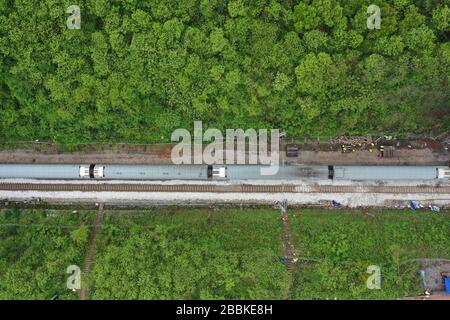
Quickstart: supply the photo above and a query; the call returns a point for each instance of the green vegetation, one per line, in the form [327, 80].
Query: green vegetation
[339, 246]
[190, 254]
[172, 253]
[36, 247]
[139, 69]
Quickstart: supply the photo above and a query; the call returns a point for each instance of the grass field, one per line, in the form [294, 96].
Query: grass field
[171, 253]
[190, 254]
[338, 247]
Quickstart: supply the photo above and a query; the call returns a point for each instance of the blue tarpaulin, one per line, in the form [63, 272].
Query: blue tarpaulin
[413, 205]
[447, 284]
[335, 204]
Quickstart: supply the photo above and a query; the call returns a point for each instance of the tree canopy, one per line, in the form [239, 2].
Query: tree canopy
[137, 70]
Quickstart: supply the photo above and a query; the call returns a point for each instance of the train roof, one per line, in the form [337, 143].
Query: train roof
[156, 172]
[385, 172]
[248, 172]
[48, 171]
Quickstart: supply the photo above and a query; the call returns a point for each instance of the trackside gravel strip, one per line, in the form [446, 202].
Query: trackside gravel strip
[223, 188]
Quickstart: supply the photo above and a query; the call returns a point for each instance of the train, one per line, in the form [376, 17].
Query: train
[219, 172]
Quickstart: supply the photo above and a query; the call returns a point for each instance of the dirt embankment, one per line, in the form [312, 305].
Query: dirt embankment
[340, 151]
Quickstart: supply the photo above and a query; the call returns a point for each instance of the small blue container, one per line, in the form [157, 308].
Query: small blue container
[447, 284]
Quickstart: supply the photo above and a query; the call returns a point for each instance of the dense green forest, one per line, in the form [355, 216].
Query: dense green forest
[171, 253]
[138, 69]
[36, 247]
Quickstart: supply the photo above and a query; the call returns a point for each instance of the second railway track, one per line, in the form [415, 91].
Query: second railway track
[243, 188]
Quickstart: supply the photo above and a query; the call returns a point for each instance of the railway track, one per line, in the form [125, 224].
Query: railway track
[243, 188]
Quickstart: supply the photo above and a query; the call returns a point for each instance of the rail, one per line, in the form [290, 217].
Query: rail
[241, 188]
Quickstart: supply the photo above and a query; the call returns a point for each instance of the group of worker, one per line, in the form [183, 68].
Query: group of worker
[352, 148]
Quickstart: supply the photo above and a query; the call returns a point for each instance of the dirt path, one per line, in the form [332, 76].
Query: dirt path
[321, 154]
[91, 249]
[287, 240]
[287, 245]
